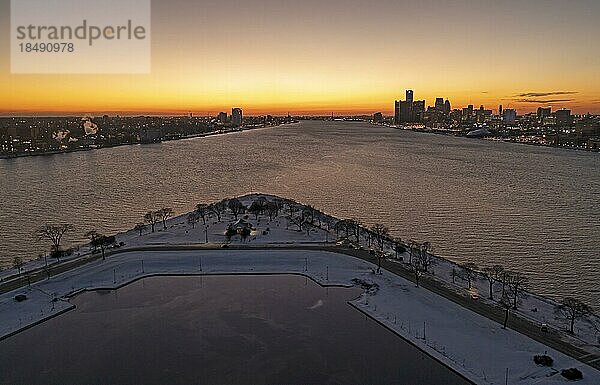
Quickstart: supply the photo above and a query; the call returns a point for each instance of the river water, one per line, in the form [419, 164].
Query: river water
[532, 209]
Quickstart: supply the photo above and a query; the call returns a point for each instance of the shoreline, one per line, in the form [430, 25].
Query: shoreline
[490, 139]
[188, 137]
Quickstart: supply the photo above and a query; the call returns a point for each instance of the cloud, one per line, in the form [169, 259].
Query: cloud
[542, 101]
[541, 94]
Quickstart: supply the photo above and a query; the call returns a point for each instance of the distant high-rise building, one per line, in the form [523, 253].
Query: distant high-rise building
[543, 113]
[588, 127]
[447, 107]
[222, 117]
[500, 110]
[509, 116]
[236, 116]
[563, 118]
[405, 111]
[418, 108]
[468, 113]
[482, 115]
[439, 104]
[378, 117]
[409, 110]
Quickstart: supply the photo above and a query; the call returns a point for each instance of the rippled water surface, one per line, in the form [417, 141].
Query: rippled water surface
[530, 208]
[217, 330]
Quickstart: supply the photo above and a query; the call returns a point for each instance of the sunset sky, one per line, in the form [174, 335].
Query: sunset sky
[275, 56]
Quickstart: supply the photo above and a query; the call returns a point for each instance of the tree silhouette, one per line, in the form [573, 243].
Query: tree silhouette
[493, 274]
[152, 218]
[165, 213]
[55, 234]
[573, 309]
[140, 227]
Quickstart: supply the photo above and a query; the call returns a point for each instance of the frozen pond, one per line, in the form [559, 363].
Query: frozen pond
[216, 330]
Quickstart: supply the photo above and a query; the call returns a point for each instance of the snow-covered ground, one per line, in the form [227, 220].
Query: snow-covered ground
[467, 342]
[536, 308]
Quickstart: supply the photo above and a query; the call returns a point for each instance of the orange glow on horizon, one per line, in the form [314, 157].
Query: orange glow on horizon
[294, 57]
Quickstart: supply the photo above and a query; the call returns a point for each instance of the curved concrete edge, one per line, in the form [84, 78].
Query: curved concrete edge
[38, 322]
[425, 349]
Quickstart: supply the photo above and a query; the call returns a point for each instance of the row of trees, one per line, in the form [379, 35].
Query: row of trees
[100, 241]
[513, 288]
[513, 284]
[153, 218]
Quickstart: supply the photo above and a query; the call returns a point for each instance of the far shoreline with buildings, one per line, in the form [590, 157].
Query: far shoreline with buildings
[559, 128]
[34, 136]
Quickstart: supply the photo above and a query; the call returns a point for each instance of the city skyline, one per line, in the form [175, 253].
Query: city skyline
[323, 57]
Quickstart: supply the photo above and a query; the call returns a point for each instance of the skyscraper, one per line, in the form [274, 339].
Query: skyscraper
[222, 117]
[408, 111]
[509, 116]
[543, 113]
[563, 118]
[417, 110]
[409, 96]
[236, 116]
[439, 104]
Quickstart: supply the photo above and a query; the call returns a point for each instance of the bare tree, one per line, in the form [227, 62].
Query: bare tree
[413, 249]
[468, 272]
[417, 267]
[55, 234]
[192, 218]
[517, 284]
[272, 210]
[398, 247]
[152, 218]
[573, 309]
[354, 226]
[493, 274]
[381, 233]
[426, 256]
[218, 209]
[298, 220]
[307, 226]
[93, 235]
[344, 225]
[507, 303]
[140, 227]
[18, 264]
[255, 208]
[165, 213]
[236, 207]
[203, 210]
[309, 213]
[103, 242]
[420, 258]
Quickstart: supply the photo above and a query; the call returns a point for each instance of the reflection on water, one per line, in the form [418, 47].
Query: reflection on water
[216, 330]
[532, 209]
